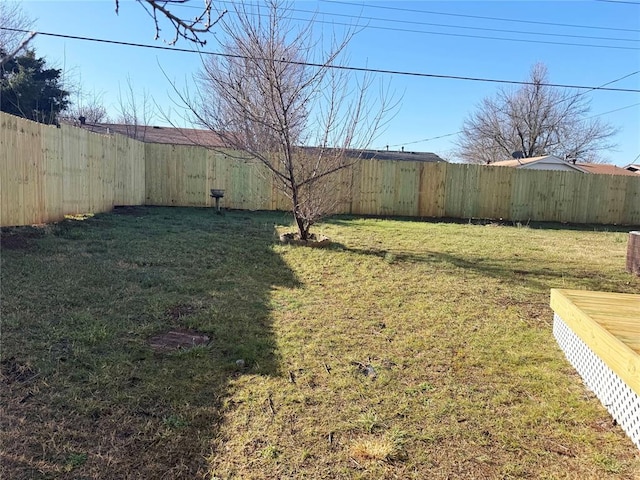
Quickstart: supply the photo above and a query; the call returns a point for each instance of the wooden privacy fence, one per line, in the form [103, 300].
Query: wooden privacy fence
[184, 175]
[47, 172]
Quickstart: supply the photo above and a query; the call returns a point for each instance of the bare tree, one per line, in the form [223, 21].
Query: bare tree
[274, 96]
[135, 111]
[534, 120]
[189, 29]
[88, 107]
[14, 23]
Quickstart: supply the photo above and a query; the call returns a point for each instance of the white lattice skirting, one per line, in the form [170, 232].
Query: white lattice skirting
[621, 401]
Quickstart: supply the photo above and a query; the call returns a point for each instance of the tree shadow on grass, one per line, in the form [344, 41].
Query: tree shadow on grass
[580, 227]
[100, 402]
[536, 276]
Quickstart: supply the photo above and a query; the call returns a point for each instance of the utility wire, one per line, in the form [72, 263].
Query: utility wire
[619, 1]
[483, 37]
[444, 25]
[516, 20]
[573, 97]
[426, 139]
[463, 35]
[616, 110]
[553, 105]
[336, 67]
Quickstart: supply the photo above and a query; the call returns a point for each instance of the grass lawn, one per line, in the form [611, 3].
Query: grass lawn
[405, 350]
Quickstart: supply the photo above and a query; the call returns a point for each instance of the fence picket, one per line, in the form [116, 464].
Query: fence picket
[47, 172]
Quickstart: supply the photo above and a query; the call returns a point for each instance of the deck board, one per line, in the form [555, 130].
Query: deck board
[609, 324]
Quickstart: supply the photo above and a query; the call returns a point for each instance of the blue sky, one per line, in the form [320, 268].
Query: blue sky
[495, 39]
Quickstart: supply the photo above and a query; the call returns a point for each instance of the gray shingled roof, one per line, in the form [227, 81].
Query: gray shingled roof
[207, 138]
[406, 156]
[155, 134]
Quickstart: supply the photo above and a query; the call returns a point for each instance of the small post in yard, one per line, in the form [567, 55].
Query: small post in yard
[633, 253]
[217, 194]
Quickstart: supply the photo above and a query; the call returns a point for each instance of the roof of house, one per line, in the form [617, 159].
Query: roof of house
[156, 134]
[406, 156]
[208, 138]
[519, 162]
[633, 167]
[596, 168]
[605, 169]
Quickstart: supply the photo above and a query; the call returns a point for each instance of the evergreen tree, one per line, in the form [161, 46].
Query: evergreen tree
[31, 90]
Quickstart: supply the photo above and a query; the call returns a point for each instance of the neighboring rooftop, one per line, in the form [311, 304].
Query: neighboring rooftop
[155, 134]
[208, 138]
[517, 162]
[551, 162]
[605, 169]
[401, 155]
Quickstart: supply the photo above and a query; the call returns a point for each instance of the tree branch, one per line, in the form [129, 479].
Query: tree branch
[22, 45]
[190, 30]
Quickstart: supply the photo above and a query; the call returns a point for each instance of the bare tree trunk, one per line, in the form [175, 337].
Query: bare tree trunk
[275, 97]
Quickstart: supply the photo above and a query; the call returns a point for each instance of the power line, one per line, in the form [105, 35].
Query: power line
[516, 20]
[464, 27]
[616, 110]
[599, 87]
[619, 1]
[557, 103]
[336, 67]
[462, 35]
[483, 37]
[426, 139]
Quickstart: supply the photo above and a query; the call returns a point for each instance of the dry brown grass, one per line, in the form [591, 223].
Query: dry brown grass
[406, 350]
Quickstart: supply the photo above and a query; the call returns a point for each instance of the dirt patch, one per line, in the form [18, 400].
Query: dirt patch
[13, 370]
[178, 339]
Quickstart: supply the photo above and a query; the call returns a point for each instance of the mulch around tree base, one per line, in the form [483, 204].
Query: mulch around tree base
[314, 240]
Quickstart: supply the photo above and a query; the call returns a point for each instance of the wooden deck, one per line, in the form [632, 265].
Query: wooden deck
[609, 324]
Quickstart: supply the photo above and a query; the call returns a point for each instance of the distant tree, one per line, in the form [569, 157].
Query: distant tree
[135, 111]
[14, 23]
[30, 90]
[534, 120]
[304, 123]
[12, 17]
[190, 28]
[90, 108]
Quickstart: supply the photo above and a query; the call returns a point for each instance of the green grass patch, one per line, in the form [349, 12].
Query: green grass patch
[406, 349]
